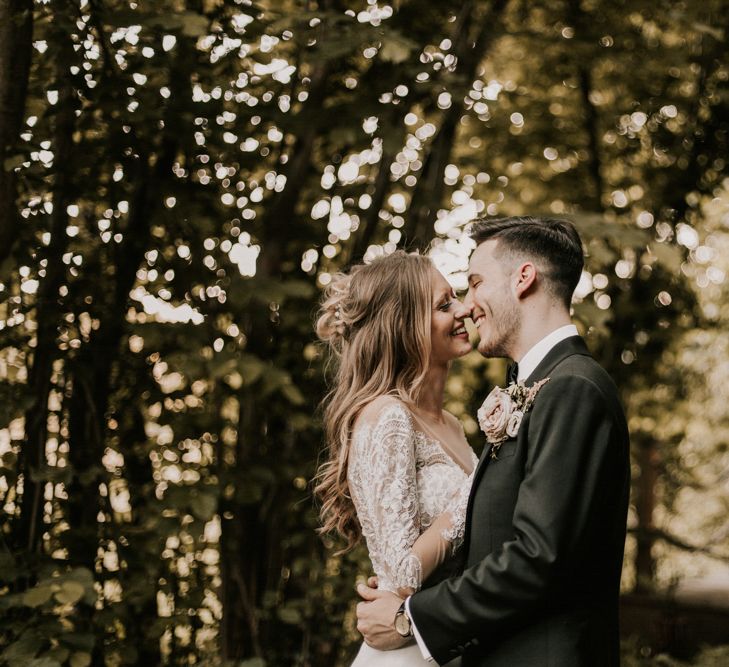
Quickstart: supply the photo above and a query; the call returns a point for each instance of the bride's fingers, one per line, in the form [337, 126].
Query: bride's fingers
[373, 582]
[368, 594]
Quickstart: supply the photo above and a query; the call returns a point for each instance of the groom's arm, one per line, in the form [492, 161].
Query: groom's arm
[576, 455]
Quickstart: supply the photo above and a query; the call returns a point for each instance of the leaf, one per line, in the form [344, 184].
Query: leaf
[289, 615]
[271, 292]
[44, 661]
[25, 648]
[15, 398]
[592, 316]
[71, 592]
[342, 136]
[58, 653]
[7, 566]
[83, 641]
[274, 380]
[53, 474]
[193, 24]
[716, 33]
[80, 659]
[83, 575]
[203, 506]
[334, 48]
[599, 253]
[220, 366]
[253, 662]
[13, 162]
[251, 368]
[292, 394]
[37, 596]
[299, 289]
[249, 493]
[669, 255]
[9, 459]
[395, 50]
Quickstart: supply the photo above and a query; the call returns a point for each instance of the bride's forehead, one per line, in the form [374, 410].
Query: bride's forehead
[439, 283]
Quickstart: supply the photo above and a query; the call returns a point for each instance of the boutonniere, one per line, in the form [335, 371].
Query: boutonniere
[501, 413]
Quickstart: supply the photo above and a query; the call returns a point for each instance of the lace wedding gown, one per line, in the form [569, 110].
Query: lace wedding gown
[409, 481]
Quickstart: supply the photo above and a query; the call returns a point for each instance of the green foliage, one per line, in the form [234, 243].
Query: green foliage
[708, 656]
[39, 626]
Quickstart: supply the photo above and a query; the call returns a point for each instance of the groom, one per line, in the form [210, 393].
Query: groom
[546, 517]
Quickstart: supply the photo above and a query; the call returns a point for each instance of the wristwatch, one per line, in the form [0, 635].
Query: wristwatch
[402, 622]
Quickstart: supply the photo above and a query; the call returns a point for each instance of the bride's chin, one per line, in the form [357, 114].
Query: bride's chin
[462, 351]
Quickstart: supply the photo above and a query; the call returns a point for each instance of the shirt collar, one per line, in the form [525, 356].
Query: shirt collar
[535, 355]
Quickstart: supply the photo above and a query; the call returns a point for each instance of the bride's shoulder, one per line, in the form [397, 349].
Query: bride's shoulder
[382, 409]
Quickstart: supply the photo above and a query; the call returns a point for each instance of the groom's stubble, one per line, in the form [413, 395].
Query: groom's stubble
[506, 320]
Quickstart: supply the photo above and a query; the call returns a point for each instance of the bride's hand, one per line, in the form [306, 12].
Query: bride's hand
[373, 582]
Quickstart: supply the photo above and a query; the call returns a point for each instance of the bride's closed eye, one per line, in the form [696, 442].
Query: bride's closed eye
[448, 301]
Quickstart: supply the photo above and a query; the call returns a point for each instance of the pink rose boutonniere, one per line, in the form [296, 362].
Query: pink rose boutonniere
[501, 413]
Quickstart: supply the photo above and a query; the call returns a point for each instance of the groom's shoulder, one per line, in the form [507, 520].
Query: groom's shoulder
[581, 374]
[582, 364]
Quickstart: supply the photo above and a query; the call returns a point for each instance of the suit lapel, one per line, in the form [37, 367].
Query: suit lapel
[565, 348]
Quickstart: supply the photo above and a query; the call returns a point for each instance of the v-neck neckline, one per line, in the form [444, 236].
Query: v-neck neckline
[418, 426]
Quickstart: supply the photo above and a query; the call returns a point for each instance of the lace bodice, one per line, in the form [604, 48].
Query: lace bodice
[402, 482]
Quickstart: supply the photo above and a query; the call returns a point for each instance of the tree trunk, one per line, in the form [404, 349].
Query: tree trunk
[470, 50]
[366, 233]
[16, 38]
[242, 573]
[48, 312]
[282, 208]
[593, 140]
[647, 455]
[95, 372]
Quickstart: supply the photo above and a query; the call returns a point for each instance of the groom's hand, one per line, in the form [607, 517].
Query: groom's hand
[376, 618]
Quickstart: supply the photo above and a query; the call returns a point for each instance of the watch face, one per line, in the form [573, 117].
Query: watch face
[402, 624]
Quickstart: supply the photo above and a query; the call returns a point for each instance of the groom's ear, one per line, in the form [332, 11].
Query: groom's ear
[526, 279]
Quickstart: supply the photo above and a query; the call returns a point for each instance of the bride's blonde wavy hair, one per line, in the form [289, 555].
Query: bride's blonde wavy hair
[376, 321]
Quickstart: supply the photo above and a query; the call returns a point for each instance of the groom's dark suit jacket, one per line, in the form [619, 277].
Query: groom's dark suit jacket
[544, 535]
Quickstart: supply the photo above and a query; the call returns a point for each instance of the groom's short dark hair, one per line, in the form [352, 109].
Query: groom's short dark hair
[554, 241]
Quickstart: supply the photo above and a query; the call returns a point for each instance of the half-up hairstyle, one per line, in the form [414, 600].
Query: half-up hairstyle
[376, 321]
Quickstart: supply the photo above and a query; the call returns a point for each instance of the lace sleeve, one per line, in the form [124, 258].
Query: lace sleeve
[384, 488]
[456, 514]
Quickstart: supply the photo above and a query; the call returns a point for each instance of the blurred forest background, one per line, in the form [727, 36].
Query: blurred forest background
[180, 178]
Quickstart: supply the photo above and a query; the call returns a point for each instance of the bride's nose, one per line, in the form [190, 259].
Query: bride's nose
[462, 310]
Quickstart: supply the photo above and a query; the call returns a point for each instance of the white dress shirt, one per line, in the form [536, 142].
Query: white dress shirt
[527, 365]
[529, 362]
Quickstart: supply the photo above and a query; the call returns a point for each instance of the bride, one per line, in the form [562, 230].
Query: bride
[398, 467]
